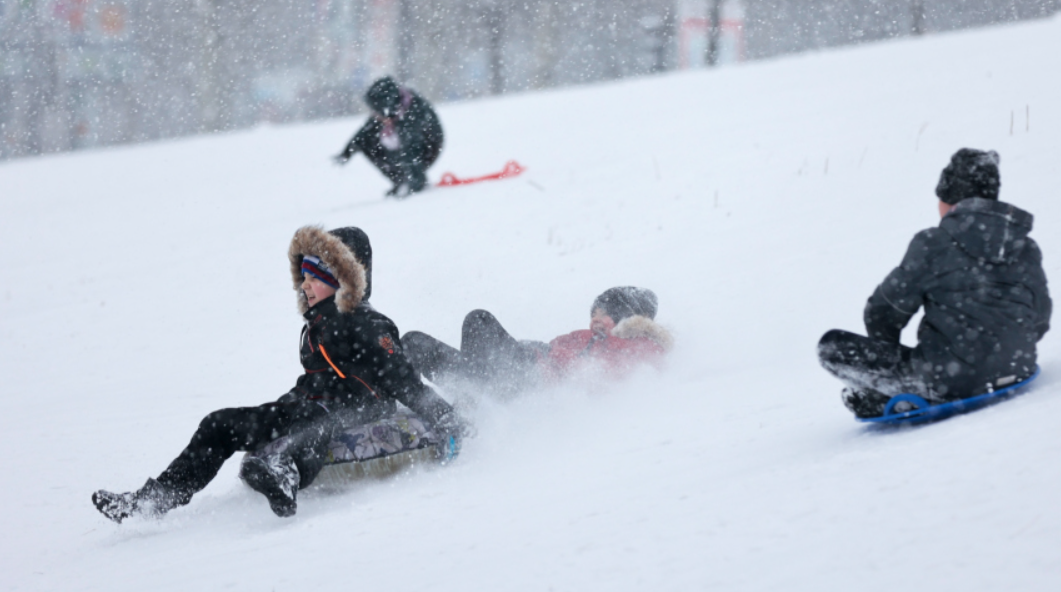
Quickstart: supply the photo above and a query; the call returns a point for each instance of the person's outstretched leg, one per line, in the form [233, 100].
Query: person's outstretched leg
[873, 370]
[419, 163]
[387, 161]
[416, 179]
[431, 357]
[220, 435]
[227, 431]
[485, 343]
[493, 354]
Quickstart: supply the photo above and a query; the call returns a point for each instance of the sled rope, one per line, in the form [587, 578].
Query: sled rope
[512, 169]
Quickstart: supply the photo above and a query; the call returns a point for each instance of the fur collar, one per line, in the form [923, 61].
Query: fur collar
[639, 326]
[314, 240]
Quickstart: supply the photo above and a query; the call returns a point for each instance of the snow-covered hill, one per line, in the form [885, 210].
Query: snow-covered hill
[143, 287]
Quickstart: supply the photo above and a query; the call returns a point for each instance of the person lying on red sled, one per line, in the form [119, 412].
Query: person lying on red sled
[622, 335]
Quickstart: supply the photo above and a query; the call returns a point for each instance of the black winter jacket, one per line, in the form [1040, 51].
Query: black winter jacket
[418, 128]
[354, 363]
[981, 281]
[351, 354]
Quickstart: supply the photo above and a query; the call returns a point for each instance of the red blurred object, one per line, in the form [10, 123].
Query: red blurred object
[512, 169]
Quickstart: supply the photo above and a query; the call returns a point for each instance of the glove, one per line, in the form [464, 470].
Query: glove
[449, 449]
[345, 156]
[451, 430]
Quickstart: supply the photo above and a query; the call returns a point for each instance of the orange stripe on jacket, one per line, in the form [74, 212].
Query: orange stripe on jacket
[331, 363]
[340, 372]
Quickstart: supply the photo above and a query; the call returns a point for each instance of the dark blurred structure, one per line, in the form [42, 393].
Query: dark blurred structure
[82, 73]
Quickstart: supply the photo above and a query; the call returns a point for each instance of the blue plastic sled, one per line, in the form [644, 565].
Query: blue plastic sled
[925, 411]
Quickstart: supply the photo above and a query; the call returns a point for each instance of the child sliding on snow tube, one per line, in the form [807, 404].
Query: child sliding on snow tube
[980, 279]
[355, 373]
[622, 334]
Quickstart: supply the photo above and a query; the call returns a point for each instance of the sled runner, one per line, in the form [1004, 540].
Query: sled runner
[512, 169]
[924, 411]
[377, 449]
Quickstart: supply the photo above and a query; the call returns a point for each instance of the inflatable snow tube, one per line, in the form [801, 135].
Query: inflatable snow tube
[373, 450]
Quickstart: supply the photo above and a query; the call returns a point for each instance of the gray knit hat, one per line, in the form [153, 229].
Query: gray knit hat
[971, 173]
[627, 301]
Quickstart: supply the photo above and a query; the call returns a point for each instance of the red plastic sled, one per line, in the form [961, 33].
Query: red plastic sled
[512, 169]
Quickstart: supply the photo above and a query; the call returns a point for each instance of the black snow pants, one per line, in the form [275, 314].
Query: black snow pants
[488, 355]
[863, 363]
[227, 431]
[397, 165]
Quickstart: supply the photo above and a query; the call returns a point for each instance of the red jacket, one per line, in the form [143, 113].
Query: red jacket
[634, 341]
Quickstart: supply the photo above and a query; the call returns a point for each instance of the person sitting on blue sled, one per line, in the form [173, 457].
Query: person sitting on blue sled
[980, 279]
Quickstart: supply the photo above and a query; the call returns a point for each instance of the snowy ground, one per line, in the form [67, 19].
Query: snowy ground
[143, 287]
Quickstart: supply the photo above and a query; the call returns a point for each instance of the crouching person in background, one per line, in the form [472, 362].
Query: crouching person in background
[401, 139]
[980, 279]
[355, 373]
[622, 335]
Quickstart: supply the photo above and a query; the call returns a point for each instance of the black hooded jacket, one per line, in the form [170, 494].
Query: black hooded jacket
[416, 124]
[351, 353]
[354, 362]
[980, 278]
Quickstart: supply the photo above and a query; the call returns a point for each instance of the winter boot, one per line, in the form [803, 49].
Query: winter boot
[417, 180]
[153, 499]
[413, 180]
[864, 402]
[400, 191]
[276, 477]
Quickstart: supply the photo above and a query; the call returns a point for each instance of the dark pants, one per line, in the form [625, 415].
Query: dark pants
[397, 165]
[227, 431]
[869, 364]
[488, 355]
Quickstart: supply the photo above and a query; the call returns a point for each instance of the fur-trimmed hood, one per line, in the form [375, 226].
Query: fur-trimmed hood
[336, 249]
[641, 326]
